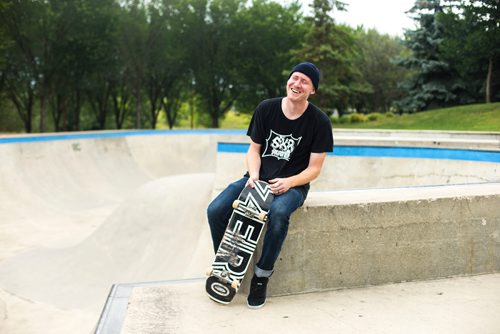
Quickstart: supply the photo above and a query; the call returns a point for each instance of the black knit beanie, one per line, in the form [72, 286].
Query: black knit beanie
[310, 70]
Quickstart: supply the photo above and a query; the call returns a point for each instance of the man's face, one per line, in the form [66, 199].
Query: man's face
[299, 87]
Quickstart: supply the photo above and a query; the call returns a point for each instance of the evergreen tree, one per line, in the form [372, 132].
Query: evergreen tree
[433, 84]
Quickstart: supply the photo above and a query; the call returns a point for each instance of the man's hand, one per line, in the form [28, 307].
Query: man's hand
[251, 182]
[280, 185]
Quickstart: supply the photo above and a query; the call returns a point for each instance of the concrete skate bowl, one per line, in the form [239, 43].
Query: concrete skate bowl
[80, 212]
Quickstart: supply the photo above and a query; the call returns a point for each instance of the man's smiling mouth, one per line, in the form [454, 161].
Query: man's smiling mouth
[294, 90]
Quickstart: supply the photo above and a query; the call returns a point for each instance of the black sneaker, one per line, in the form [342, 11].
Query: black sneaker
[257, 295]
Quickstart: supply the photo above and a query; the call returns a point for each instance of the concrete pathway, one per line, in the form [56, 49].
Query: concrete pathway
[463, 305]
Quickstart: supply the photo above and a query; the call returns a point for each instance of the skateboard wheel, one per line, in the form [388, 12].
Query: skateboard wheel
[218, 291]
[235, 284]
[236, 204]
[262, 216]
[209, 271]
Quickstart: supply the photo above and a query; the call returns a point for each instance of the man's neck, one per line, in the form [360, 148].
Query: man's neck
[294, 109]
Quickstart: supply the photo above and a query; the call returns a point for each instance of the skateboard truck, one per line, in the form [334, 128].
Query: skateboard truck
[250, 212]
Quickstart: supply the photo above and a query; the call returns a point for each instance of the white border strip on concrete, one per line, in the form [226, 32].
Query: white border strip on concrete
[115, 309]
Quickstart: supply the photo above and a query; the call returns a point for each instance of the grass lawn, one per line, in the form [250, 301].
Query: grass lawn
[474, 117]
[235, 120]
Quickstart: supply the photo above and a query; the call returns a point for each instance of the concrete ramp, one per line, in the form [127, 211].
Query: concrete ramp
[82, 211]
[138, 242]
[55, 190]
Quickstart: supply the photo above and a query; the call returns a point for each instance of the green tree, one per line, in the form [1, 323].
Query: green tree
[472, 46]
[20, 64]
[121, 94]
[267, 31]
[102, 34]
[377, 52]
[434, 83]
[211, 39]
[132, 49]
[82, 45]
[332, 48]
[166, 66]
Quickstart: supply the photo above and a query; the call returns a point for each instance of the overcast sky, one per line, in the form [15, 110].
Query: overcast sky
[387, 16]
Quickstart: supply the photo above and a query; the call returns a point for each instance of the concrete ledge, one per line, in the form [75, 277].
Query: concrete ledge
[415, 138]
[360, 238]
[354, 172]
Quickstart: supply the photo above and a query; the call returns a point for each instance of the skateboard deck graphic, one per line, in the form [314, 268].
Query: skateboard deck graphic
[239, 242]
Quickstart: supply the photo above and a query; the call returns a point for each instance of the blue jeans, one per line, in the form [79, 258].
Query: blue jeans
[219, 212]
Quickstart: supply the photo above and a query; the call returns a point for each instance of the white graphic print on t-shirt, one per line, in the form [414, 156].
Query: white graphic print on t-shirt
[280, 146]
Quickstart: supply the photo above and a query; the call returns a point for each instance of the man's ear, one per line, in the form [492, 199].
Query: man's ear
[313, 92]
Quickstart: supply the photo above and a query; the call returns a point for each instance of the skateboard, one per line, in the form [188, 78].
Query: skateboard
[239, 242]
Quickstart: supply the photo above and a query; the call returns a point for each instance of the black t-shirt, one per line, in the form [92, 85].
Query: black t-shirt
[286, 145]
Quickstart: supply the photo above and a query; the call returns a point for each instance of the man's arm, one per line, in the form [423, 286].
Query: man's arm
[253, 163]
[281, 185]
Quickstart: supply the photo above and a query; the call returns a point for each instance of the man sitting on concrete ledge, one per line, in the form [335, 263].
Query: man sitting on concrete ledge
[289, 140]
